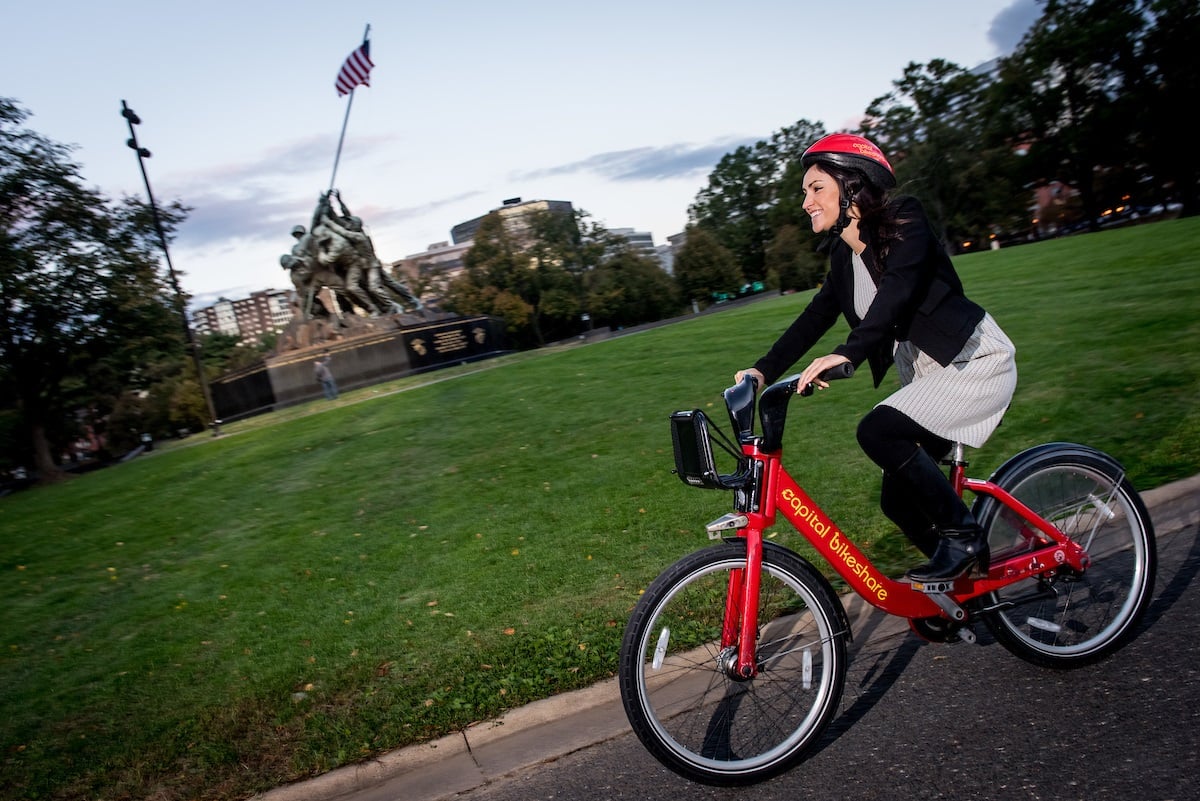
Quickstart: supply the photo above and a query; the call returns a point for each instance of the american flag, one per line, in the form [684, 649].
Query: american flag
[356, 70]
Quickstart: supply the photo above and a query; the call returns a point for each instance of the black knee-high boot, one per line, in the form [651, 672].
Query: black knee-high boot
[896, 501]
[961, 544]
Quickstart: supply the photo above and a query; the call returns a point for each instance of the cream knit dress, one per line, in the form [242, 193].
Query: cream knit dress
[962, 402]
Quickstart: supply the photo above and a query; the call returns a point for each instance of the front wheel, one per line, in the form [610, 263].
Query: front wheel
[680, 691]
[1071, 618]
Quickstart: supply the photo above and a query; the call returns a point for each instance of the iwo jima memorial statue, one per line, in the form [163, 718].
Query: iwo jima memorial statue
[348, 307]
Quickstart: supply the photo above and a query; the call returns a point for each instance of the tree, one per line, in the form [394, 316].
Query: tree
[514, 277]
[1170, 82]
[705, 269]
[83, 307]
[628, 289]
[565, 250]
[934, 128]
[224, 352]
[553, 271]
[1070, 91]
[733, 207]
[495, 281]
[792, 264]
[737, 206]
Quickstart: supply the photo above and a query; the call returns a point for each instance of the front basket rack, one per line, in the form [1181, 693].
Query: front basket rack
[694, 436]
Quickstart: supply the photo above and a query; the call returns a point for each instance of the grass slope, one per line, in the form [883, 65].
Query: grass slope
[337, 580]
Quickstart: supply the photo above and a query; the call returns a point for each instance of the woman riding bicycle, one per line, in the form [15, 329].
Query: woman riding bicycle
[892, 280]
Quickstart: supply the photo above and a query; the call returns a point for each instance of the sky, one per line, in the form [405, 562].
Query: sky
[622, 108]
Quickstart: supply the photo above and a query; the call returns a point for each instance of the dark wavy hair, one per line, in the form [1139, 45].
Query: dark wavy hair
[879, 221]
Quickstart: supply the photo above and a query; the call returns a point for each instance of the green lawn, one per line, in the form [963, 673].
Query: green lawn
[336, 580]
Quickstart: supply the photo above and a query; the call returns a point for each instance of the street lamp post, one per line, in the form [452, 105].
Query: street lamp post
[189, 337]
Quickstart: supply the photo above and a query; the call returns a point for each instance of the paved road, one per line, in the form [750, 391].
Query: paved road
[919, 721]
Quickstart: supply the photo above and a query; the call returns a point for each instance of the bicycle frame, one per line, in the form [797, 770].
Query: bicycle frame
[728, 688]
[780, 494]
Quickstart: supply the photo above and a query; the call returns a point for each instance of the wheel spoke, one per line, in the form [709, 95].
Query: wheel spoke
[1091, 613]
[693, 711]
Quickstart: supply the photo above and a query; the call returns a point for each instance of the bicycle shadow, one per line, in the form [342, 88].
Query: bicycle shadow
[882, 648]
[881, 651]
[1187, 538]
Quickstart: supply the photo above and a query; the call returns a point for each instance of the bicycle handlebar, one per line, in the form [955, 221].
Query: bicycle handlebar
[844, 370]
[773, 403]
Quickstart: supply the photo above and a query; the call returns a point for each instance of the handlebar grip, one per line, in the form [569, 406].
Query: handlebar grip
[843, 370]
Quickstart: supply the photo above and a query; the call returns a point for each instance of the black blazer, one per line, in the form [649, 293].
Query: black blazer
[919, 298]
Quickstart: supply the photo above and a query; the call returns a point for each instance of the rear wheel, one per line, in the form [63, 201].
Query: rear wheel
[1072, 618]
[680, 690]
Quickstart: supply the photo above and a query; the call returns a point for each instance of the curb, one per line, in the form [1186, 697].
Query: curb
[549, 729]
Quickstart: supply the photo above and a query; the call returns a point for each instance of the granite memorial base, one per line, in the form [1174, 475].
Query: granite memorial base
[286, 379]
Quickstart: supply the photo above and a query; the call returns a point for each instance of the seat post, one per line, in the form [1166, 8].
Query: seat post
[958, 466]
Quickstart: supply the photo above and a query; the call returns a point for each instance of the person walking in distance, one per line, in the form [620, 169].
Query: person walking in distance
[324, 377]
[893, 282]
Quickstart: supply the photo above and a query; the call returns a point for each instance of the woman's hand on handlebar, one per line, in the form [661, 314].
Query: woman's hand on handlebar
[755, 374]
[812, 373]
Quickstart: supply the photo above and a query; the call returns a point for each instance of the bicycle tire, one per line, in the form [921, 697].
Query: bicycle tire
[689, 712]
[1071, 619]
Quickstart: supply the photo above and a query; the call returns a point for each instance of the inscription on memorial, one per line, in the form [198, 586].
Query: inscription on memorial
[450, 341]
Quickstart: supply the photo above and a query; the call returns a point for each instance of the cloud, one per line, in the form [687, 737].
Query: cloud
[244, 203]
[683, 160]
[1013, 23]
[309, 156]
[255, 215]
[385, 215]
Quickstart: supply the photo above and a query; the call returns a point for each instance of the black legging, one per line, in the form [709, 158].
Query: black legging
[890, 437]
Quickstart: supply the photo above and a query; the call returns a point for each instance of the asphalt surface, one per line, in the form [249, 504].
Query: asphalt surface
[1128, 727]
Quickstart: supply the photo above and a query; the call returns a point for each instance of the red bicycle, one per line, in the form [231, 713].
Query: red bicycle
[734, 659]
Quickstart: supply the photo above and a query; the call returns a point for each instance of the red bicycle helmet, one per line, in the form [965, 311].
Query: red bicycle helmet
[852, 152]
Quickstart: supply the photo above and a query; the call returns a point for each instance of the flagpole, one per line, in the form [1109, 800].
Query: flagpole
[341, 138]
[338, 156]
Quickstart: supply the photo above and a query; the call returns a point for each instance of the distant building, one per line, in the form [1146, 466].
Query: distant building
[666, 253]
[642, 242]
[429, 273]
[264, 312]
[511, 211]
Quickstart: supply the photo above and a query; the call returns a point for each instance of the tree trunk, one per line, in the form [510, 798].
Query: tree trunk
[43, 462]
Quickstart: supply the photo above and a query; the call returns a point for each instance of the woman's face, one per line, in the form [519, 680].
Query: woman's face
[822, 198]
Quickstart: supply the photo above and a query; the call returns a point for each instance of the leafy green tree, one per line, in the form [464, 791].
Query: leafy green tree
[705, 269]
[553, 271]
[1070, 90]
[734, 205]
[618, 285]
[495, 281]
[83, 307]
[738, 204]
[224, 352]
[565, 249]
[218, 349]
[934, 128]
[792, 264]
[629, 289]
[1170, 81]
[789, 199]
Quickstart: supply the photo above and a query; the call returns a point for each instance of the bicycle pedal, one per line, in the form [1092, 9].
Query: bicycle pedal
[937, 592]
[725, 523]
[933, 587]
